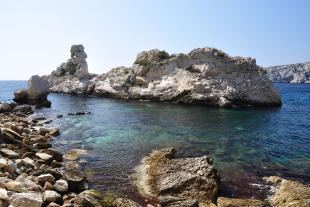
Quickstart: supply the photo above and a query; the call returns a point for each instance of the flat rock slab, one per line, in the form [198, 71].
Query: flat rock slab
[26, 199]
[233, 202]
[8, 153]
[162, 175]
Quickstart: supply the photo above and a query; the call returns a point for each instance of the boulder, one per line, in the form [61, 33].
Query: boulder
[46, 178]
[4, 194]
[15, 186]
[24, 108]
[288, 192]
[51, 196]
[26, 199]
[76, 180]
[21, 96]
[61, 186]
[5, 107]
[44, 156]
[84, 199]
[35, 94]
[8, 153]
[160, 174]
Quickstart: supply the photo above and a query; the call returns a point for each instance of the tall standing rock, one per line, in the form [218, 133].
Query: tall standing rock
[78, 57]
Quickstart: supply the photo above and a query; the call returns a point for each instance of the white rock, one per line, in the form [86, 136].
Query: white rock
[46, 178]
[51, 196]
[3, 194]
[44, 156]
[61, 186]
[37, 87]
[15, 186]
[8, 153]
[26, 199]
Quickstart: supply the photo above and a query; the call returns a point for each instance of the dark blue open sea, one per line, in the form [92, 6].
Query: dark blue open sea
[246, 144]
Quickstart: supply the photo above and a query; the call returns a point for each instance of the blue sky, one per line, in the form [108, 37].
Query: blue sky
[35, 35]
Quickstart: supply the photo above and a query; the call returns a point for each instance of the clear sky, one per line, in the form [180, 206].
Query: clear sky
[36, 35]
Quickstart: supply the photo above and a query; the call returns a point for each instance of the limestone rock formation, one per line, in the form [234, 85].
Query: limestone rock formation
[76, 64]
[35, 94]
[177, 180]
[293, 73]
[288, 192]
[204, 76]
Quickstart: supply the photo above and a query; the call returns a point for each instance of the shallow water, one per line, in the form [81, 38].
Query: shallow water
[246, 144]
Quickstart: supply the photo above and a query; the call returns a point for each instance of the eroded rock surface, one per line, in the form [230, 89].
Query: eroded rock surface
[292, 73]
[288, 193]
[203, 76]
[35, 94]
[177, 180]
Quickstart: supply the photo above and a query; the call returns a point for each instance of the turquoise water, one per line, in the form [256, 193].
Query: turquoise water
[246, 144]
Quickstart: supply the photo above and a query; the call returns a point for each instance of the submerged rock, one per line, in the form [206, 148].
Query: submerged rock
[234, 202]
[288, 192]
[183, 179]
[123, 202]
[204, 76]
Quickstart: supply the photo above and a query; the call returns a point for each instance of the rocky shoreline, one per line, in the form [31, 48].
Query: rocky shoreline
[203, 76]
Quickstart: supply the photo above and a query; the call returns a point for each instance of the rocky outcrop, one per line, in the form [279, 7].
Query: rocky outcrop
[204, 76]
[288, 193]
[176, 181]
[75, 68]
[293, 73]
[35, 94]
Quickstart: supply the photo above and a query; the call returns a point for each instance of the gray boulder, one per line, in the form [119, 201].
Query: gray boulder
[36, 94]
[26, 199]
[185, 179]
[5, 107]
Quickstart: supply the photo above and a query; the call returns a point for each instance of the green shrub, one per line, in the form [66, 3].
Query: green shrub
[163, 55]
[221, 53]
[143, 62]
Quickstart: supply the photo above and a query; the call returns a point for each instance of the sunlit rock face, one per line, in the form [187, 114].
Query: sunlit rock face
[293, 73]
[35, 94]
[75, 68]
[203, 76]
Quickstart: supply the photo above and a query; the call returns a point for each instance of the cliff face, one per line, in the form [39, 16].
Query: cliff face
[205, 76]
[293, 73]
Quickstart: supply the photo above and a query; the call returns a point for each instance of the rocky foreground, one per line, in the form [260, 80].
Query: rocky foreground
[203, 76]
[293, 73]
[193, 182]
[33, 174]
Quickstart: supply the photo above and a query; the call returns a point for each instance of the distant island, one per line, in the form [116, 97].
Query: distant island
[292, 73]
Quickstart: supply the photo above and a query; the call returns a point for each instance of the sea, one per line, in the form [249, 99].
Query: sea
[246, 144]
